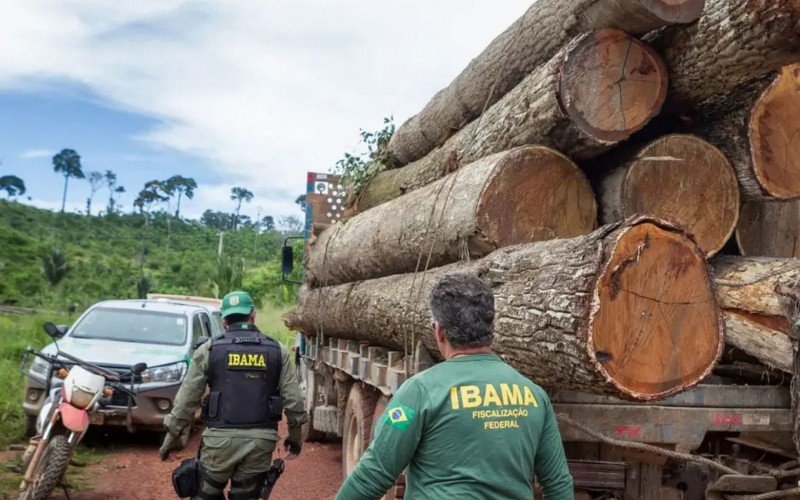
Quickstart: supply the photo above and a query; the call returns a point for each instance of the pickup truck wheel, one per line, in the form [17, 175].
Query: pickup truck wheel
[357, 425]
[396, 491]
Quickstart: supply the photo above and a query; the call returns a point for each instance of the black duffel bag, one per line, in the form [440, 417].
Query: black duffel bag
[187, 478]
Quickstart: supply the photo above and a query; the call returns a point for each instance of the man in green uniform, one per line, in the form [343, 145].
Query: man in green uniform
[469, 427]
[250, 380]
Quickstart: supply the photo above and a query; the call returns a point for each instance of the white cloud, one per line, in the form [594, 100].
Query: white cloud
[33, 154]
[261, 91]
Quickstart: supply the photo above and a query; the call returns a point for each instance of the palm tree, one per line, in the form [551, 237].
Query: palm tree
[54, 265]
[68, 164]
[12, 185]
[96, 181]
[239, 195]
[184, 186]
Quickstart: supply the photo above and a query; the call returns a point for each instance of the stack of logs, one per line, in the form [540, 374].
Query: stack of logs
[588, 165]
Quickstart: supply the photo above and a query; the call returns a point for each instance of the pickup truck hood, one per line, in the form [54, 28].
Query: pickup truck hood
[113, 352]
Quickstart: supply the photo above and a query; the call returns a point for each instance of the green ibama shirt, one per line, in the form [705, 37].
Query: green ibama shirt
[470, 427]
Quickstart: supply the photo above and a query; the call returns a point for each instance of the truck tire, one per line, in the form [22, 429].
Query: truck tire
[358, 416]
[396, 491]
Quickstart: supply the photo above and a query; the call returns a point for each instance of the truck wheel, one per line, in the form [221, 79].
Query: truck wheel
[396, 491]
[357, 425]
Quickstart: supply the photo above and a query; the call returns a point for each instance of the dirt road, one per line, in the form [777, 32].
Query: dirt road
[134, 471]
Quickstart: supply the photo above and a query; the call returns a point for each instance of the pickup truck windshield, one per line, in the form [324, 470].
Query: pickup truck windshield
[126, 325]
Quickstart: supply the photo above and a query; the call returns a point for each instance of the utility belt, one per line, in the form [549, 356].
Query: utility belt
[211, 407]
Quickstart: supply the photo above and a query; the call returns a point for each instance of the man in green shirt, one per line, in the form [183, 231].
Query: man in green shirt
[469, 427]
[251, 382]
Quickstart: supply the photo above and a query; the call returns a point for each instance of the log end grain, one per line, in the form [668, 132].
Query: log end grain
[775, 135]
[769, 229]
[656, 328]
[675, 11]
[686, 180]
[611, 85]
[535, 194]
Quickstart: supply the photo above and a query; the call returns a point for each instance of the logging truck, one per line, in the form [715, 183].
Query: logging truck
[738, 415]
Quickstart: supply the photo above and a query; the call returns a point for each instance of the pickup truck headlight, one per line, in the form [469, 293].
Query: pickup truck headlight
[40, 367]
[166, 373]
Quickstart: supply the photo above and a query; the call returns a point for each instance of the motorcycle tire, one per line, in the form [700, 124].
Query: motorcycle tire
[50, 470]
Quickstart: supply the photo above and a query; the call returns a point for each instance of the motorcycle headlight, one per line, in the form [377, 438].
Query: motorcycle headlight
[166, 373]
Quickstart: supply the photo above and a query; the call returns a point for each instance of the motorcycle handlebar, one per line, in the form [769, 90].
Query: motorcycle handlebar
[54, 360]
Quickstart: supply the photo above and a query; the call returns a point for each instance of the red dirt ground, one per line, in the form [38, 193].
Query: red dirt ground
[134, 471]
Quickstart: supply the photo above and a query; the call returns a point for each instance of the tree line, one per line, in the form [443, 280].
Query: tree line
[156, 195]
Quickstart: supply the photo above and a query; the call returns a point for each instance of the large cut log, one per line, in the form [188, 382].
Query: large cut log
[526, 194]
[755, 315]
[627, 310]
[598, 90]
[733, 42]
[758, 129]
[769, 229]
[529, 42]
[679, 178]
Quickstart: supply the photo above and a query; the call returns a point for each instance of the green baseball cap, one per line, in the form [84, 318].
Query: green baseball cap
[236, 303]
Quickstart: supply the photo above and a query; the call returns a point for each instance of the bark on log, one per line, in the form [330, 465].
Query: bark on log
[733, 42]
[769, 229]
[680, 178]
[529, 42]
[602, 87]
[758, 129]
[526, 194]
[755, 315]
[627, 310]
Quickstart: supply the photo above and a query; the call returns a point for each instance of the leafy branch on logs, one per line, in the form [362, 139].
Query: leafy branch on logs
[357, 169]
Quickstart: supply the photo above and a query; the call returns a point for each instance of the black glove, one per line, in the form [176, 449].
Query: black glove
[293, 446]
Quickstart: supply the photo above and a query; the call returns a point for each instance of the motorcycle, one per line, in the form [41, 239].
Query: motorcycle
[65, 417]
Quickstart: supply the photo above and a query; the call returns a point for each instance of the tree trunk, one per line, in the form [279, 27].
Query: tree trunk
[734, 41]
[529, 42]
[769, 229]
[526, 194]
[755, 314]
[679, 178]
[758, 129]
[64, 197]
[601, 88]
[627, 310]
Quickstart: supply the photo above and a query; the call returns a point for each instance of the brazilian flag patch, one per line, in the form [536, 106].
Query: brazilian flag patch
[399, 416]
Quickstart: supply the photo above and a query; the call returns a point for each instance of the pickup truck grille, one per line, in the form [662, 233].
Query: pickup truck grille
[119, 398]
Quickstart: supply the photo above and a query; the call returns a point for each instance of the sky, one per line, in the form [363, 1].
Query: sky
[231, 93]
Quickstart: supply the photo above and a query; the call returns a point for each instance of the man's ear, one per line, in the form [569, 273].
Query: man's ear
[252, 317]
[439, 332]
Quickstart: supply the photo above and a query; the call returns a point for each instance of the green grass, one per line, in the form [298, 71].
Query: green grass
[16, 334]
[268, 320]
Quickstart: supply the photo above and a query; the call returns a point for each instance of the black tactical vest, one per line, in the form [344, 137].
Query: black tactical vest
[244, 369]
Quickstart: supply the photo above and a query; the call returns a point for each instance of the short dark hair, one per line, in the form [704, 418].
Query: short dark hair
[233, 319]
[464, 306]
